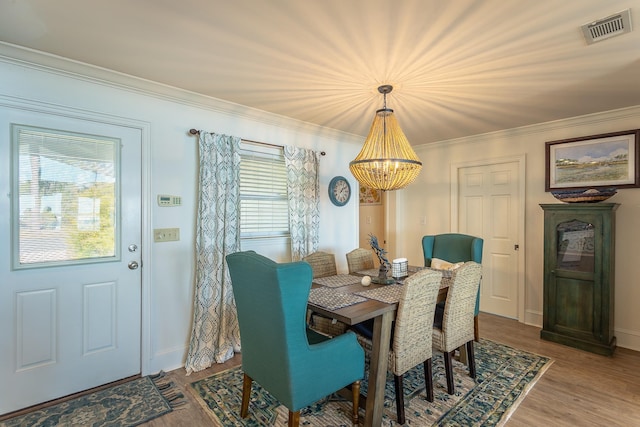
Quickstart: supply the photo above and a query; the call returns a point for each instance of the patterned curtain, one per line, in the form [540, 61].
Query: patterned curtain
[215, 335]
[304, 200]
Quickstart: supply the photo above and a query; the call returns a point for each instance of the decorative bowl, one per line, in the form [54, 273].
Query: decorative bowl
[584, 196]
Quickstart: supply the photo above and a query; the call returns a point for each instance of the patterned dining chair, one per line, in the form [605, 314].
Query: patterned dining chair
[296, 365]
[454, 248]
[323, 264]
[411, 336]
[455, 327]
[360, 259]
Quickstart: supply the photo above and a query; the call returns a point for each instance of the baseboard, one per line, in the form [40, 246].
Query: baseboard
[167, 360]
[627, 338]
[533, 318]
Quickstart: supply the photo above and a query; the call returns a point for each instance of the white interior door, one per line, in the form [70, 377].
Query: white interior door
[70, 294]
[488, 202]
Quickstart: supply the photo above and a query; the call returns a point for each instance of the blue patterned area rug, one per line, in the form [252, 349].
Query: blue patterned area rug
[504, 376]
[128, 404]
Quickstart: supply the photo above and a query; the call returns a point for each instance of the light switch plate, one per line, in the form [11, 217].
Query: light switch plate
[166, 234]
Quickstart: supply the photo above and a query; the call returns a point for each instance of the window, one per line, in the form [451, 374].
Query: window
[264, 208]
[64, 197]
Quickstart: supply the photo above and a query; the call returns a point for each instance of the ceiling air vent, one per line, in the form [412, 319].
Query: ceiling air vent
[608, 27]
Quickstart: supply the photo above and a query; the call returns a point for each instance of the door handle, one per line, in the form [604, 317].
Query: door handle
[133, 265]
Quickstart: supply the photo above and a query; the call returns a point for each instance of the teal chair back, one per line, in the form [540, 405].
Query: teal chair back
[453, 247]
[294, 364]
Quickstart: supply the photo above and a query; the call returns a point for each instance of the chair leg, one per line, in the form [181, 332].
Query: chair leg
[397, 380]
[476, 329]
[294, 419]
[448, 367]
[428, 379]
[472, 359]
[355, 396]
[246, 394]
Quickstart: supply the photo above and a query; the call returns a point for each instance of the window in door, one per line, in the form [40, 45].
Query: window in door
[64, 197]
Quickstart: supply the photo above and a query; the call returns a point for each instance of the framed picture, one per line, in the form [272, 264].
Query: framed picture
[607, 160]
[370, 196]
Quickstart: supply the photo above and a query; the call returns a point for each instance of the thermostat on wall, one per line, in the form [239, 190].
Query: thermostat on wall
[167, 200]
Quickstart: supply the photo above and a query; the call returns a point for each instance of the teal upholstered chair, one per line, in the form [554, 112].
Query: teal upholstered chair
[294, 364]
[454, 247]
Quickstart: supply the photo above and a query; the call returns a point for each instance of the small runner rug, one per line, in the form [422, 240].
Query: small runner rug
[128, 404]
[504, 376]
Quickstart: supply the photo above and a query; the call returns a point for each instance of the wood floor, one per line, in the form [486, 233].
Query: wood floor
[580, 389]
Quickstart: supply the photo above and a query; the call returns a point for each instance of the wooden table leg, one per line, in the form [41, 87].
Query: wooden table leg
[463, 354]
[378, 369]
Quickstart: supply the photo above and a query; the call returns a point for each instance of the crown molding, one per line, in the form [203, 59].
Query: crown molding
[538, 128]
[53, 64]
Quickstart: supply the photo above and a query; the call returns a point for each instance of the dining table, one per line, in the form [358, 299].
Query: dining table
[343, 297]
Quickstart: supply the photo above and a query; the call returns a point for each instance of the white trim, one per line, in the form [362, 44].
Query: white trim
[53, 64]
[533, 318]
[145, 131]
[627, 338]
[147, 248]
[579, 122]
[521, 160]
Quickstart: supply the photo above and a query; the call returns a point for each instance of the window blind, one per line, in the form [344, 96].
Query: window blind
[263, 196]
[66, 209]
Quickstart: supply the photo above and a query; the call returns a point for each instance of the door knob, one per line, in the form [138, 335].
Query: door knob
[133, 265]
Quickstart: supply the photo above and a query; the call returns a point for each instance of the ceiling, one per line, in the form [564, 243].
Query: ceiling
[458, 67]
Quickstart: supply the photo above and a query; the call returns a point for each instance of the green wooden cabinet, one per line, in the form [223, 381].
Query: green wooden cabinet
[579, 275]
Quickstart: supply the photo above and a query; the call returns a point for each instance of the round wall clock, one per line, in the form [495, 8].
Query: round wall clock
[339, 191]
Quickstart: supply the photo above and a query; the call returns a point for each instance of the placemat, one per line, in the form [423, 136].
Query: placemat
[446, 274]
[332, 299]
[389, 293]
[373, 272]
[337, 280]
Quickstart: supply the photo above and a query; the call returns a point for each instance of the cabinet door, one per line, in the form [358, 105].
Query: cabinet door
[573, 258]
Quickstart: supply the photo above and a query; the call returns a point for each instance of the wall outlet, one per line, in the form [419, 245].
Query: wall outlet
[166, 234]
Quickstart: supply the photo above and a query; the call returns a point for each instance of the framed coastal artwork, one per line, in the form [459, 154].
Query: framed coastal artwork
[370, 196]
[607, 160]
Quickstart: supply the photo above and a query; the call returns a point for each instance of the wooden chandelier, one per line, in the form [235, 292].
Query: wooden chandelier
[386, 161]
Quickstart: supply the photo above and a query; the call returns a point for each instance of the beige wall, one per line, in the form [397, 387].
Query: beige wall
[430, 198]
[371, 222]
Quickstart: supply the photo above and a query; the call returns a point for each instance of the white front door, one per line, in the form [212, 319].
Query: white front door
[70, 287]
[488, 202]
